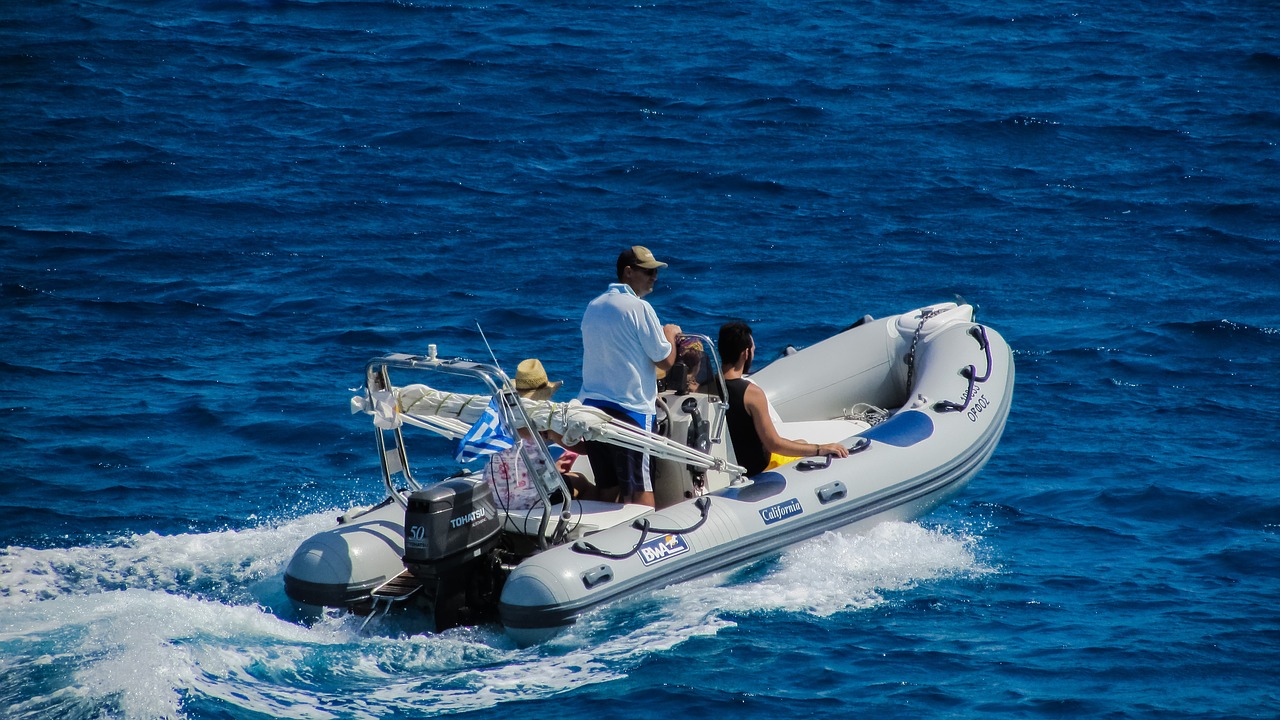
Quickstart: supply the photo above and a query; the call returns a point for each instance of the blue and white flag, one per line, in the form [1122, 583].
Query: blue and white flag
[486, 437]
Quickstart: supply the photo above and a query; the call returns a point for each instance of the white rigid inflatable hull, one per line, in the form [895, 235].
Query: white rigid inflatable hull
[918, 458]
[341, 566]
[934, 442]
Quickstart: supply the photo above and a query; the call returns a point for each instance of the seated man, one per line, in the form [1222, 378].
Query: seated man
[756, 441]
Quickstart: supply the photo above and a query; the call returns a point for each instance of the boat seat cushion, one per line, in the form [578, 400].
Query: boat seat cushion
[815, 431]
[821, 431]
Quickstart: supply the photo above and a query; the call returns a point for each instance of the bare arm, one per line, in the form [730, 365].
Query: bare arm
[672, 332]
[758, 408]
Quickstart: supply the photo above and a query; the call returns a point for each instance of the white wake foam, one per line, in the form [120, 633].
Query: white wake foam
[117, 631]
[834, 572]
[203, 562]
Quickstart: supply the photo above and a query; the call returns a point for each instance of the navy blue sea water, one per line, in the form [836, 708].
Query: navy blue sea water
[212, 213]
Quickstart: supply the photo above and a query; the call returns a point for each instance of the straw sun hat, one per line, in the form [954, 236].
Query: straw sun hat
[531, 380]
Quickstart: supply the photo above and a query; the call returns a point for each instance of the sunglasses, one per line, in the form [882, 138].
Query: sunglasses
[647, 271]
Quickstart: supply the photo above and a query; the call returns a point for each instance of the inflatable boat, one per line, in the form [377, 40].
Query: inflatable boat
[919, 399]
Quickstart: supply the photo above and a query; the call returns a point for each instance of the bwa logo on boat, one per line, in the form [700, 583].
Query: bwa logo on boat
[781, 511]
[659, 549]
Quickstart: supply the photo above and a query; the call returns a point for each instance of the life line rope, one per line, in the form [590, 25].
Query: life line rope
[970, 373]
[703, 504]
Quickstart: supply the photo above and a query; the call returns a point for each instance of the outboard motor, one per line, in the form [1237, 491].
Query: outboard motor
[451, 530]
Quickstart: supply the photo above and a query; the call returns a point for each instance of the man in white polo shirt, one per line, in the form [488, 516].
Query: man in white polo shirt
[623, 345]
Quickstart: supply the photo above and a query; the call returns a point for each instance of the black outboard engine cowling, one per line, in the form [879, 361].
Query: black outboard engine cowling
[448, 525]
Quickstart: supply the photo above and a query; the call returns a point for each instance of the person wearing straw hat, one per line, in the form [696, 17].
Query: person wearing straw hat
[532, 382]
[505, 470]
[623, 347]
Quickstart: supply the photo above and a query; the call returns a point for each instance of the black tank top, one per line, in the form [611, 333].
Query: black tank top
[742, 431]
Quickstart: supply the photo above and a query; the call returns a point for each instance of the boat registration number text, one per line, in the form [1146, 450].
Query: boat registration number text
[980, 404]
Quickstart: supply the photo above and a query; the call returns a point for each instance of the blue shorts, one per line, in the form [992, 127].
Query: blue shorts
[619, 467]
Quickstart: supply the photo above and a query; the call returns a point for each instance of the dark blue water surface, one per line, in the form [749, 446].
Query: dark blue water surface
[212, 213]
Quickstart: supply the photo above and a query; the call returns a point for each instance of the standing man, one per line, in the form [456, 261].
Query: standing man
[623, 345]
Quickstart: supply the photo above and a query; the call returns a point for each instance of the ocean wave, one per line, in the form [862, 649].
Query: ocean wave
[840, 573]
[667, 178]
[1265, 61]
[1218, 340]
[88, 617]
[1169, 505]
[133, 654]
